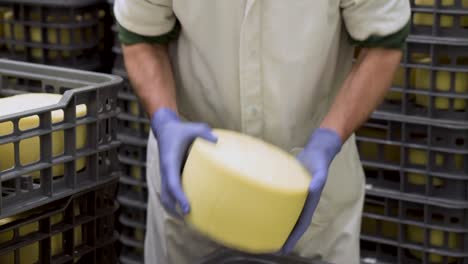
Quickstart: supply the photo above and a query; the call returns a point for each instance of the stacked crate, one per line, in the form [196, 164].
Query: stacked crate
[235, 257]
[58, 168]
[133, 133]
[70, 34]
[414, 149]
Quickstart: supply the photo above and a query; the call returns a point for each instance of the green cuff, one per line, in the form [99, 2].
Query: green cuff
[128, 37]
[394, 41]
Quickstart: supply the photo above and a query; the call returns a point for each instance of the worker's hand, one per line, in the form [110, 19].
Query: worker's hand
[174, 137]
[317, 156]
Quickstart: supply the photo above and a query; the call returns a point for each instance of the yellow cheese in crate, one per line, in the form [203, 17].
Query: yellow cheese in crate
[244, 193]
[139, 236]
[428, 19]
[419, 157]
[398, 81]
[447, 21]
[370, 225]
[136, 174]
[13, 31]
[134, 108]
[432, 2]
[52, 33]
[65, 34]
[436, 239]
[3, 12]
[135, 111]
[29, 254]
[442, 84]
[29, 149]
[370, 150]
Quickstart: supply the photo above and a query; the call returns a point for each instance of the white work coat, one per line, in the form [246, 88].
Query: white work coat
[271, 69]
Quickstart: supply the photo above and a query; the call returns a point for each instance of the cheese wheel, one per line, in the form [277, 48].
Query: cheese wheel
[29, 149]
[244, 193]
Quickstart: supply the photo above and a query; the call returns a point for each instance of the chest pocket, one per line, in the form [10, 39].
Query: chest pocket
[292, 27]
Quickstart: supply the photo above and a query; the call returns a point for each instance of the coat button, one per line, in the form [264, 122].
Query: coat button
[253, 110]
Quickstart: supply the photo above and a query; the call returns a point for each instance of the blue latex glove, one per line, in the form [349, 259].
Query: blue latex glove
[317, 156]
[174, 138]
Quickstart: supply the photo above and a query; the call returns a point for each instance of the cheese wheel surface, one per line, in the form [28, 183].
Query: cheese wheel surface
[244, 193]
[29, 149]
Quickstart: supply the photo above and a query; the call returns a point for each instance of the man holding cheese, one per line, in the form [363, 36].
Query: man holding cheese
[278, 70]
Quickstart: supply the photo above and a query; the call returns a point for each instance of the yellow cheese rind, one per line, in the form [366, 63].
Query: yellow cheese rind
[30, 148]
[234, 202]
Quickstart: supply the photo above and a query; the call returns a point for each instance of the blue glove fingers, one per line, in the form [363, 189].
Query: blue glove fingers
[318, 181]
[173, 176]
[202, 130]
[303, 223]
[172, 166]
[166, 199]
[169, 204]
[175, 188]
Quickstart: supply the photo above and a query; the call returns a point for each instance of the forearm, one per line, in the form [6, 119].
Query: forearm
[150, 73]
[362, 91]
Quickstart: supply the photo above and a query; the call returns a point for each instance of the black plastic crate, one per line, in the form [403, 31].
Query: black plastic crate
[133, 198]
[119, 62]
[132, 217]
[133, 189]
[131, 255]
[133, 175]
[432, 81]
[132, 228]
[429, 160]
[31, 183]
[132, 119]
[103, 255]
[400, 228]
[75, 229]
[133, 195]
[225, 256]
[63, 33]
[133, 150]
[445, 19]
[132, 234]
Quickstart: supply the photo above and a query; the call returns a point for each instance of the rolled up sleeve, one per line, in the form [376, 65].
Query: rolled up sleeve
[377, 23]
[151, 21]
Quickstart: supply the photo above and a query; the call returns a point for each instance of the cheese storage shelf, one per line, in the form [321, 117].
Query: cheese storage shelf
[62, 33]
[75, 229]
[400, 228]
[432, 81]
[444, 19]
[415, 157]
